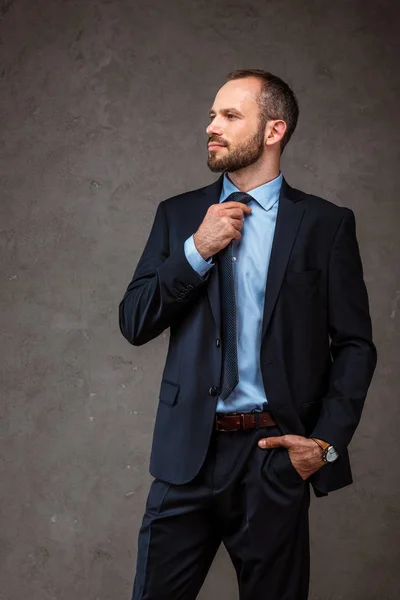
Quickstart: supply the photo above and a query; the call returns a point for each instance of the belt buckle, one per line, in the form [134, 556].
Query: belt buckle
[236, 428]
[221, 428]
[243, 422]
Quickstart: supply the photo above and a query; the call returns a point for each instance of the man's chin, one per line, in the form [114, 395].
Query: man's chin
[216, 167]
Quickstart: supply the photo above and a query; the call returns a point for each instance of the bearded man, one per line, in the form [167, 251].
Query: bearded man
[269, 361]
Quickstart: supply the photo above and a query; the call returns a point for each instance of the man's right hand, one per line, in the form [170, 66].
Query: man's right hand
[222, 223]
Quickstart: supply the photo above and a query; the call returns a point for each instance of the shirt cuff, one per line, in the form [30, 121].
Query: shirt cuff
[195, 259]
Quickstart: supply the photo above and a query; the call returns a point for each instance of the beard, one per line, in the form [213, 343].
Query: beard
[239, 157]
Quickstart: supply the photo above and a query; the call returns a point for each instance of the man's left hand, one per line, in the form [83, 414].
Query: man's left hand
[305, 454]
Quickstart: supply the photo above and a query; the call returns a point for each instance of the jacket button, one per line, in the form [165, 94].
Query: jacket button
[212, 391]
[218, 342]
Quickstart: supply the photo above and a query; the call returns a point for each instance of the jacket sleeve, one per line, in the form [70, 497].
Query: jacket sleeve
[162, 285]
[353, 352]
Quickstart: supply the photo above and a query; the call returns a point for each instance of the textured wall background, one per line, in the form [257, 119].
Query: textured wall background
[103, 113]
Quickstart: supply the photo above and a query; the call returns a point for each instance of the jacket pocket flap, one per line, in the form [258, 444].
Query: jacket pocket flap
[168, 392]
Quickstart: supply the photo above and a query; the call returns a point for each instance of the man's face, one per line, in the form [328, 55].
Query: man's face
[236, 126]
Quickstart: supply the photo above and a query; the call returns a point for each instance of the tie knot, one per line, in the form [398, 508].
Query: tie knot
[239, 197]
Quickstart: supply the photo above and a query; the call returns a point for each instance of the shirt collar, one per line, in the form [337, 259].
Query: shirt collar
[266, 194]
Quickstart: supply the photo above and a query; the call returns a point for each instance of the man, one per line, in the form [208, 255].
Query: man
[269, 360]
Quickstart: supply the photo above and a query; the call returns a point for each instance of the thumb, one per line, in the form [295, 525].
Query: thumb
[273, 442]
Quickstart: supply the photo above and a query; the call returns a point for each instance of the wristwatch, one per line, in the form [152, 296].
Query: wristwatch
[329, 454]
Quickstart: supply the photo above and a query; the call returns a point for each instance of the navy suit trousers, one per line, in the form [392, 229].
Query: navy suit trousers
[251, 500]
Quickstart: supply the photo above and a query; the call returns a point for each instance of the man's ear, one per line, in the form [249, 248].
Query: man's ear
[274, 132]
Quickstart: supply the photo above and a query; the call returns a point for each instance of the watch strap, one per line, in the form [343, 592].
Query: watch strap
[323, 448]
[319, 443]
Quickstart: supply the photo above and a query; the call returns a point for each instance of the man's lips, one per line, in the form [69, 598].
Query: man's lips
[214, 145]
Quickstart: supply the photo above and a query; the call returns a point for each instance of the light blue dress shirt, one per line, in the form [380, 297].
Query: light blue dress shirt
[251, 255]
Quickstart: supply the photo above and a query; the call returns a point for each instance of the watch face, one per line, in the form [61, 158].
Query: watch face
[331, 454]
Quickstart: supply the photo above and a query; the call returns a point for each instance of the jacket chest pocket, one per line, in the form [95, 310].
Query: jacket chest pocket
[309, 276]
[302, 286]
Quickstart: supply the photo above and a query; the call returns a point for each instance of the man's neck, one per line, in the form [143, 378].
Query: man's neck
[249, 178]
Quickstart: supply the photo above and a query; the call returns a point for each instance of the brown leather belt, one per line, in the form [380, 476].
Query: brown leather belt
[243, 421]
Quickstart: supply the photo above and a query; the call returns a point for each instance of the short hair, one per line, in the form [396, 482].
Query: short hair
[276, 100]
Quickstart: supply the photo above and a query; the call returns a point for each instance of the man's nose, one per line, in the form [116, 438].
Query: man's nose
[214, 128]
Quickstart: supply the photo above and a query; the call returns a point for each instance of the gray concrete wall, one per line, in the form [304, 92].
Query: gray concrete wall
[103, 113]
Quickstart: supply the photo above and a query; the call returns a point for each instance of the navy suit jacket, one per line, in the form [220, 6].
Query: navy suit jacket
[317, 356]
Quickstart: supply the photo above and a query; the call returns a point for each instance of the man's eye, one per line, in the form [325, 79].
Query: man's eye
[228, 115]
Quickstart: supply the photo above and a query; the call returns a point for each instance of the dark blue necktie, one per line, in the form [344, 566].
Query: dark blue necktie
[230, 373]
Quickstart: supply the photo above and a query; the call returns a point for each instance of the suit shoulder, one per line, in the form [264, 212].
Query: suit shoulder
[183, 198]
[321, 206]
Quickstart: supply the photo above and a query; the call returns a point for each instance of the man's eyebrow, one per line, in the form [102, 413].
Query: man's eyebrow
[228, 110]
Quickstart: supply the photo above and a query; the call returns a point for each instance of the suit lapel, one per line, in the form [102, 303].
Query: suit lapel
[290, 214]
